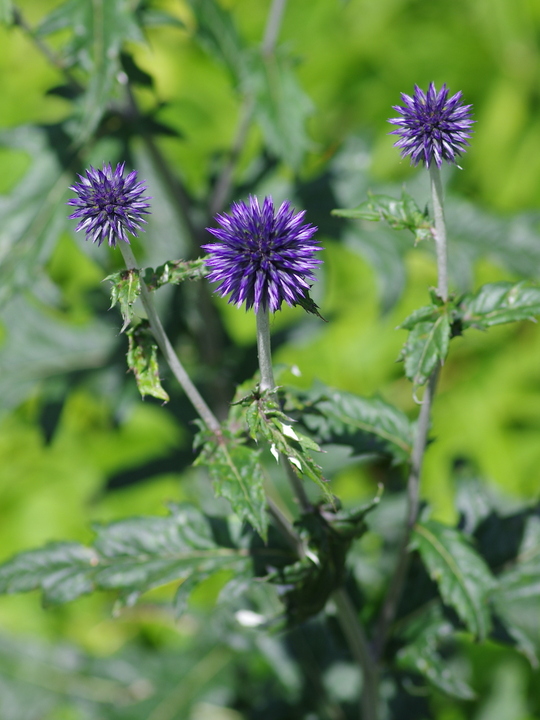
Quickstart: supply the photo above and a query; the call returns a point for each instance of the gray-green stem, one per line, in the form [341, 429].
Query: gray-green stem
[395, 590]
[167, 349]
[264, 350]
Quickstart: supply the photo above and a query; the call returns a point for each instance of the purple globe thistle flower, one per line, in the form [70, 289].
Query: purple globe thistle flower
[264, 257]
[109, 204]
[432, 127]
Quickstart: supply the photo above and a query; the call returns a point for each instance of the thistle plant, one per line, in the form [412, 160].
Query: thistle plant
[355, 609]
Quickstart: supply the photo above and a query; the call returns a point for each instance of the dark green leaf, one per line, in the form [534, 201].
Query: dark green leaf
[516, 596]
[426, 348]
[237, 476]
[333, 416]
[401, 214]
[132, 555]
[423, 657]
[500, 302]
[463, 578]
[142, 361]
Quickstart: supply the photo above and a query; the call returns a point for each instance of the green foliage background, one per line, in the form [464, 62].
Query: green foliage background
[66, 433]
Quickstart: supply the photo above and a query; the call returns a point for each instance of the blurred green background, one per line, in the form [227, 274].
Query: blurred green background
[77, 444]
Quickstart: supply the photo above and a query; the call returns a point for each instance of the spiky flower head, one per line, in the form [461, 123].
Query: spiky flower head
[432, 127]
[263, 257]
[109, 205]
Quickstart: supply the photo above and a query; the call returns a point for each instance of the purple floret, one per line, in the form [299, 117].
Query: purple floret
[263, 257]
[109, 205]
[432, 127]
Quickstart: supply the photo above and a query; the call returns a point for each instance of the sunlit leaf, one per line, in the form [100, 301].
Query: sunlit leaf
[426, 348]
[142, 361]
[501, 302]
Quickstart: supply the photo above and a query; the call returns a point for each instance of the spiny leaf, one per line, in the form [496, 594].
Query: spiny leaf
[236, 473]
[174, 272]
[463, 578]
[401, 214]
[336, 417]
[132, 555]
[142, 361]
[125, 290]
[501, 302]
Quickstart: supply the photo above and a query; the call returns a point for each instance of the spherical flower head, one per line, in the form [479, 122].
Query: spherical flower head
[263, 257]
[432, 127]
[109, 205]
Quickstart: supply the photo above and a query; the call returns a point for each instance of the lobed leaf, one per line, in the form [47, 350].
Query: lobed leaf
[132, 555]
[125, 291]
[463, 578]
[335, 415]
[237, 476]
[142, 361]
[500, 302]
[401, 214]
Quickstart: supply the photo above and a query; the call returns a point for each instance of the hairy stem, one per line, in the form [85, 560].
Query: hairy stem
[167, 349]
[397, 583]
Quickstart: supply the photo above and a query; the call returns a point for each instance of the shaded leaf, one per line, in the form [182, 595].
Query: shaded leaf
[280, 106]
[175, 272]
[334, 416]
[99, 31]
[463, 578]
[33, 214]
[217, 32]
[501, 302]
[132, 555]
[423, 656]
[142, 361]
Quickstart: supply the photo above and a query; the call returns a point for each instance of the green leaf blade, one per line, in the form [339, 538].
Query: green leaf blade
[501, 302]
[463, 578]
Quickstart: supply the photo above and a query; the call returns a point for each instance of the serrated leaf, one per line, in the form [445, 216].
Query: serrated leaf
[237, 476]
[125, 290]
[334, 416]
[63, 570]
[280, 106]
[142, 361]
[132, 555]
[463, 578]
[401, 214]
[423, 657]
[424, 314]
[175, 272]
[501, 302]
[426, 348]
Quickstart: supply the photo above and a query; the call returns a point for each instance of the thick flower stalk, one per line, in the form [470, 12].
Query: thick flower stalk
[433, 127]
[109, 205]
[263, 256]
